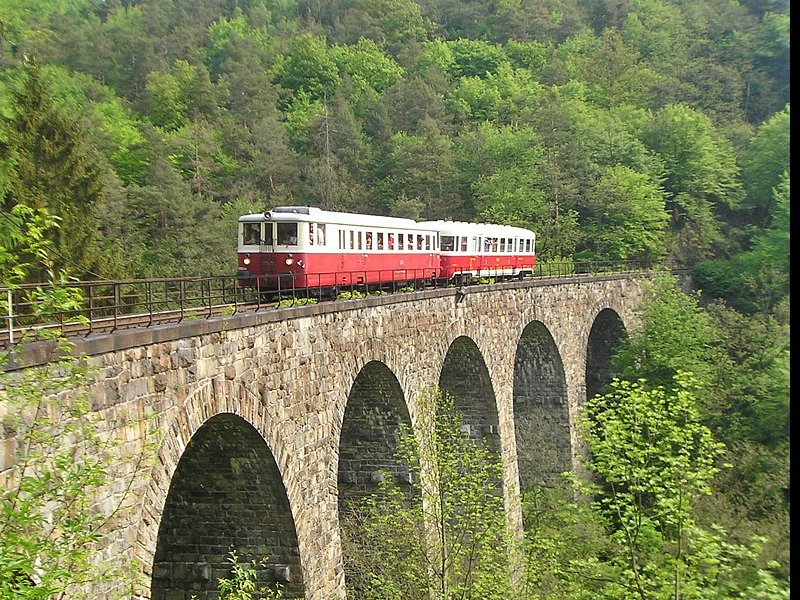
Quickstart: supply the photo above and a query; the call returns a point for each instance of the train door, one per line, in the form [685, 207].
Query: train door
[267, 248]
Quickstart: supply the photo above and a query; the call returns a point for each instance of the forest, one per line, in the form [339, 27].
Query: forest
[133, 133]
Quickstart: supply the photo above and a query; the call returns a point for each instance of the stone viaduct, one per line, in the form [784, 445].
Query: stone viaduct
[261, 426]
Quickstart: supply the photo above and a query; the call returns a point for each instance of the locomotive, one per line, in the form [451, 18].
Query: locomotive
[301, 247]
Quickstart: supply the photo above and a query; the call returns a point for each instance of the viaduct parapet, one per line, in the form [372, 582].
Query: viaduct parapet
[266, 424]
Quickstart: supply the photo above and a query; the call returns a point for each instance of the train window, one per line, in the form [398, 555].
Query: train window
[287, 234]
[390, 241]
[464, 241]
[427, 242]
[475, 244]
[448, 243]
[316, 234]
[251, 233]
[502, 244]
[400, 239]
[380, 240]
[360, 243]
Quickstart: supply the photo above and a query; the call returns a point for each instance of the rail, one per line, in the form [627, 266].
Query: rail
[31, 312]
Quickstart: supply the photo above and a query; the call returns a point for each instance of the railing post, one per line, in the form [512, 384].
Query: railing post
[91, 308]
[116, 302]
[150, 302]
[181, 295]
[10, 316]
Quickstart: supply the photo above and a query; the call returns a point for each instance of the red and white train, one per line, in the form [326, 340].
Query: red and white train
[295, 247]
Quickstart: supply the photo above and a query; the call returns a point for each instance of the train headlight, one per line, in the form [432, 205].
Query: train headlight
[246, 260]
[289, 261]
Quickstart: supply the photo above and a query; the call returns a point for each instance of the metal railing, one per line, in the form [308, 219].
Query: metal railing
[28, 312]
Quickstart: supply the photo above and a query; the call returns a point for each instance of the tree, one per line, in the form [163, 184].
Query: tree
[50, 165]
[676, 334]
[309, 67]
[701, 177]
[613, 71]
[653, 459]
[423, 166]
[756, 280]
[632, 222]
[391, 24]
[445, 535]
[763, 165]
[59, 457]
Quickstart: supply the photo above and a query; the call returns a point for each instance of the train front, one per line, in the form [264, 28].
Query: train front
[270, 253]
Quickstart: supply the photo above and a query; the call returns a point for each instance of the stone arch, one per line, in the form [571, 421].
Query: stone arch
[605, 336]
[374, 416]
[541, 408]
[466, 377]
[226, 493]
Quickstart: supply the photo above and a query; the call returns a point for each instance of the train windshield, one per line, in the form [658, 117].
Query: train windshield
[287, 234]
[448, 243]
[251, 233]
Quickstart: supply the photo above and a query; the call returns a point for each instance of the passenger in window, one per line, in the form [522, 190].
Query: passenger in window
[369, 241]
[391, 241]
[253, 239]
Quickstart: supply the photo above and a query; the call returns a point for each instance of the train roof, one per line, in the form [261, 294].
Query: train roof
[312, 214]
[484, 229]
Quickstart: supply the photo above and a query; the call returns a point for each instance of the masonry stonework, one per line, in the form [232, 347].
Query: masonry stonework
[282, 399]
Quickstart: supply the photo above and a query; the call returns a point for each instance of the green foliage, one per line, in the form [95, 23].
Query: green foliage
[653, 459]
[741, 362]
[676, 335]
[24, 242]
[756, 280]
[633, 220]
[701, 174]
[309, 67]
[55, 502]
[243, 582]
[423, 167]
[560, 532]
[365, 62]
[764, 164]
[444, 535]
[391, 24]
[49, 525]
[50, 165]
[475, 58]
[288, 302]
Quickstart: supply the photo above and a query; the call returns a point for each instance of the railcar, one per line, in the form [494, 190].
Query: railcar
[292, 247]
[473, 250]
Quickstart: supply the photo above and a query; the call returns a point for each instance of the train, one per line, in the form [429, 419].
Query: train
[302, 247]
